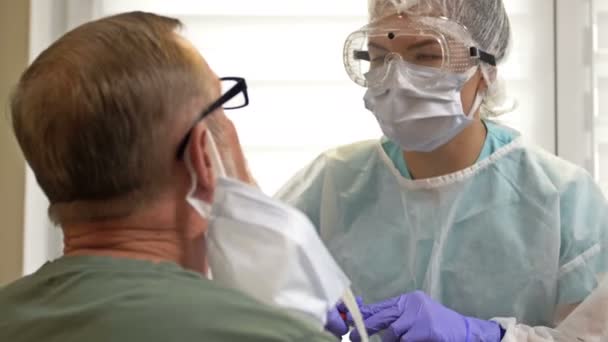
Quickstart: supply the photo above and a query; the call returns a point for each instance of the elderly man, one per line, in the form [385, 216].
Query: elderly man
[107, 118]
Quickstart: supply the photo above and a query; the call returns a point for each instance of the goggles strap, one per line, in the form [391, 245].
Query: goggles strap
[482, 56]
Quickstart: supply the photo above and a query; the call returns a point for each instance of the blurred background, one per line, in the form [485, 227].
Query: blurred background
[302, 101]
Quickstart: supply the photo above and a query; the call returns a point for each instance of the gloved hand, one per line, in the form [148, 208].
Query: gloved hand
[336, 319]
[336, 324]
[415, 317]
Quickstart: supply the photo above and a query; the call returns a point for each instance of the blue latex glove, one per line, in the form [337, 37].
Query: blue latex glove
[415, 317]
[335, 323]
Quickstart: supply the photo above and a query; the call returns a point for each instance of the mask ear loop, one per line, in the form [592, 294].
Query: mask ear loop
[216, 160]
[479, 95]
[204, 208]
[351, 304]
[496, 101]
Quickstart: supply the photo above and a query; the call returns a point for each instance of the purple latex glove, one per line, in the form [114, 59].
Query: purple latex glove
[415, 317]
[336, 324]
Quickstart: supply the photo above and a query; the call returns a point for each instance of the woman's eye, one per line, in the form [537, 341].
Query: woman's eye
[378, 60]
[428, 57]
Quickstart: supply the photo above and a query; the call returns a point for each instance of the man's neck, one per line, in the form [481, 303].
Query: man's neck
[458, 154]
[155, 245]
[150, 238]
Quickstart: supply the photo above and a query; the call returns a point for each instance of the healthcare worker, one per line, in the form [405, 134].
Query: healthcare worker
[122, 122]
[450, 220]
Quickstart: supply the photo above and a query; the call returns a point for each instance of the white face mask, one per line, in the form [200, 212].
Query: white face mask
[417, 118]
[270, 251]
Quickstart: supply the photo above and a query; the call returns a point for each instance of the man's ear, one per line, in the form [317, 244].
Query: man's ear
[201, 162]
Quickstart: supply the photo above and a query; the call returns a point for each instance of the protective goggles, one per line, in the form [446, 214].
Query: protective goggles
[421, 42]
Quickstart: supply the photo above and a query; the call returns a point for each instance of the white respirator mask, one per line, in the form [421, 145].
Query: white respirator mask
[419, 118]
[269, 250]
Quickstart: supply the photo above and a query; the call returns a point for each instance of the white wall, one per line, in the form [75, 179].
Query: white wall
[14, 21]
[582, 67]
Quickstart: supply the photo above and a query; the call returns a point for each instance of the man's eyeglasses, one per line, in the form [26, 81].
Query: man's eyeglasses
[234, 96]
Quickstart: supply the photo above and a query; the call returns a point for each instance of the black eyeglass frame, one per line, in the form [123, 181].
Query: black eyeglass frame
[239, 87]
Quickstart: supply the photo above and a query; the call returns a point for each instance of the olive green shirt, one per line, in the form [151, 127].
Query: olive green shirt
[90, 299]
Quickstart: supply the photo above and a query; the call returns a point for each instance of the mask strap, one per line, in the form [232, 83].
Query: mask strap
[479, 96]
[203, 208]
[476, 104]
[351, 304]
[216, 160]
